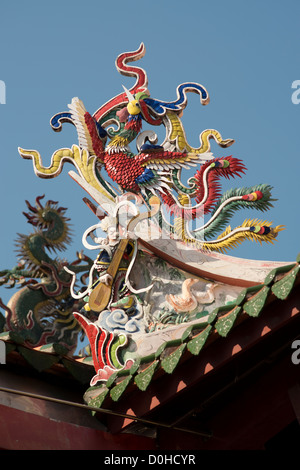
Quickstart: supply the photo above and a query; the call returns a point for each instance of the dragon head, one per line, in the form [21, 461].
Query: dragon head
[50, 221]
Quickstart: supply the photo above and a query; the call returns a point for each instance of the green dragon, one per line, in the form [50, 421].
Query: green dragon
[40, 312]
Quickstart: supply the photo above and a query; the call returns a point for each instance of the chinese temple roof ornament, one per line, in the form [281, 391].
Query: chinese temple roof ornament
[161, 272]
[41, 311]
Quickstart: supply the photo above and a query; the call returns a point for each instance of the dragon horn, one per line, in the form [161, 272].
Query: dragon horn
[128, 94]
[33, 209]
[38, 199]
[30, 218]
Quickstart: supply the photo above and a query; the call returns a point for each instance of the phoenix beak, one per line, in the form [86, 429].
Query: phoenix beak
[128, 94]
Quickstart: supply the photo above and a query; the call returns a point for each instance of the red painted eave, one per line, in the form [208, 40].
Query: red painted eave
[20, 430]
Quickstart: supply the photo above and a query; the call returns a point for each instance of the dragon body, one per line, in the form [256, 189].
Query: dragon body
[40, 312]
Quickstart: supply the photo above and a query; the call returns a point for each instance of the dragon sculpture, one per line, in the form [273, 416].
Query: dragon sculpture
[115, 176]
[40, 312]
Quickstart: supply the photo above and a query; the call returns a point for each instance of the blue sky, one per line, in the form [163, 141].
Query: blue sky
[245, 53]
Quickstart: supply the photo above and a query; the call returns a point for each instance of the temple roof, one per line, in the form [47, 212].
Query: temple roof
[248, 306]
[200, 350]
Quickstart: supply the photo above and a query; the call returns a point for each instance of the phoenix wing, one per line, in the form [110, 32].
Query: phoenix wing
[91, 136]
[158, 164]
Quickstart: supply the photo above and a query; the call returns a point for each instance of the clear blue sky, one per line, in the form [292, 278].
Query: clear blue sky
[245, 53]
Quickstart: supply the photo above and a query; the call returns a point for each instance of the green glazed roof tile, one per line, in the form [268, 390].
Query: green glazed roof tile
[221, 310]
[275, 272]
[81, 372]
[144, 378]
[5, 336]
[119, 389]
[37, 360]
[110, 381]
[124, 372]
[196, 326]
[170, 362]
[87, 360]
[135, 366]
[283, 287]
[53, 348]
[160, 350]
[226, 322]
[97, 400]
[60, 349]
[196, 344]
[16, 337]
[246, 293]
[241, 297]
[254, 306]
[145, 359]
